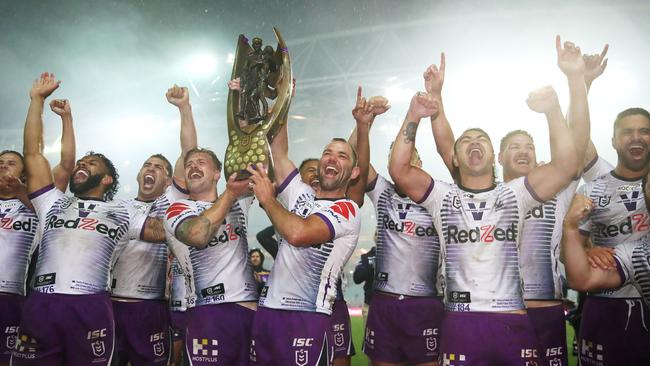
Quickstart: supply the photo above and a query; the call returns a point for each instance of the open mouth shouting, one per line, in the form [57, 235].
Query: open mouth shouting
[637, 150]
[148, 181]
[194, 174]
[475, 153]
[81, 175]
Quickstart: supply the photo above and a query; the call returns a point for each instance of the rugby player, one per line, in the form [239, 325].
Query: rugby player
[479, 221]
[139, 276]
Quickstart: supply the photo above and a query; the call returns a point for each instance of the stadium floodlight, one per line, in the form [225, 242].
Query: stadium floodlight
[201, 64]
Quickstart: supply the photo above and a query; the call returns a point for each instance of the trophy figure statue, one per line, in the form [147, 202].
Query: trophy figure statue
[264, 74]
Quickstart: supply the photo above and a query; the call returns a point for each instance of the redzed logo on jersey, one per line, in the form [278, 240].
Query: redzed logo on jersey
[176, 209]
[344, 209]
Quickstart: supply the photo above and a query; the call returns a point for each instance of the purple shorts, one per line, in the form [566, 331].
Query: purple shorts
[477, 338]
[614, 332]
[178, 324]
[10, 308]
[341, 331]
[219, 334]
[71, 330]
[550, 328]
[403, 330]
[141, 332]
[282, 337]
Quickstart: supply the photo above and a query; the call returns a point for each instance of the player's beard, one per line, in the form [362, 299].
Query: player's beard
[341, 181]
[91, 182]
[631, 164]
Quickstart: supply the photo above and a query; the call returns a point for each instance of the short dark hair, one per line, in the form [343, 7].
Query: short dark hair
[354, 151]
[307, 161]
[109, 194]
[22, 158]
[210, 153]
[504, 140]
[168, 165]
[630, 112]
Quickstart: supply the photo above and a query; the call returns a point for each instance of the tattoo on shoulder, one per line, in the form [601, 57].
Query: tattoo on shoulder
[410, 132]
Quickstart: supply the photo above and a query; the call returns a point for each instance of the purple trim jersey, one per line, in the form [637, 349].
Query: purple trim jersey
[539, 252]
[178, 294]
[305, 278]
[18, 234]
[220, 272]
[408, 245]
[633, 265]
[619, 216]
[480, 232]
[140, 272]
[79, 240]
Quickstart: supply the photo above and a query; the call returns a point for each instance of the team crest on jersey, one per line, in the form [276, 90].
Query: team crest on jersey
[629, 199]
[159, 349]
[11, 341]
[555, 362]
[99, 348]
[402, 209]
[431, 343]
[176, 209]
[455, 202]
[344, 208]
[302, 357]
[477, 211]
[603, 201]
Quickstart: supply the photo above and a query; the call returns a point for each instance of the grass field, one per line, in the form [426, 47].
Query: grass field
[361, 360]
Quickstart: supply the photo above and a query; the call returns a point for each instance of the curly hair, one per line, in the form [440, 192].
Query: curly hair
[109, 194]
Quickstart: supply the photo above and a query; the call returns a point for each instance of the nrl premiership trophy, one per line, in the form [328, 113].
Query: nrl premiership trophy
[264, 74]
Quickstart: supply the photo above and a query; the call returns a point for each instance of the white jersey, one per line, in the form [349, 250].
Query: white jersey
[539, 253]
[408, 245]
[178, 295]
[221, 272]
[18, 234]
[140, 272]
[480, 232]
[619, 216]
[80, 238]
[305, 278]
[633, 264]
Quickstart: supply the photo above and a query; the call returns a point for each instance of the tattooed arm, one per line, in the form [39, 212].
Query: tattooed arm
[199, 230]
[410, 179]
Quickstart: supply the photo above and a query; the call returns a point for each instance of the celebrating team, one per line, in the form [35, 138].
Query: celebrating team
[468, 272]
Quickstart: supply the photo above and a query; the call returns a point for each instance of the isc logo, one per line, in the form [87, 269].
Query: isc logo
[97, 333]
[339, 327]
[157, 337]
[430, 332]
[303, 342]
[528, 353]
[555, 351]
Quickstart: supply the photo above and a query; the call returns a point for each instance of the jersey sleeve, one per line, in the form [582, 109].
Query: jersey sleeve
[177, 213]
[245, 203]
[137, 220]
[623, 257]
[43, 199]
[291, 188]
[342, 218]
[527, 198]
[376, 188]
[596, 168]
[172, 194]
[585, 225]
[433, 196]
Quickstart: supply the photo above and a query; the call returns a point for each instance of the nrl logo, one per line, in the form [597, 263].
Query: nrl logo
[603, 201]
[302, 357]
[158, 349]
[98, 348]
[431, 344]
[338, 339]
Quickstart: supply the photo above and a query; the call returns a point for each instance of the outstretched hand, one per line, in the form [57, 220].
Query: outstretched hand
[61, 107]
[178, 96]
[569, 58]
[434, 77]
[543, 100]
[365, 111]
[595, 65]
[44, 86]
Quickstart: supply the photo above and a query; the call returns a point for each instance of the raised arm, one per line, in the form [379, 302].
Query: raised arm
[364, 114]
[594, 67]
[180, 97]
[198, 231]
[410, 179]
[571, 62]
[296, 230]
[282, 165]
[549, 179]
[372, 173]
[580, 274]
[66, 165]
[37, 167]
[434, 78]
